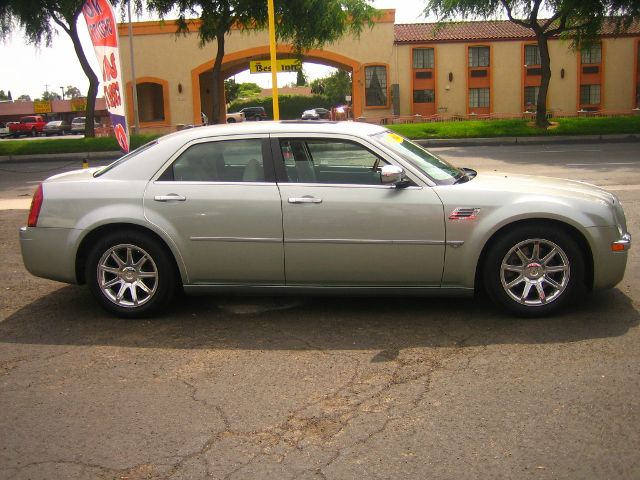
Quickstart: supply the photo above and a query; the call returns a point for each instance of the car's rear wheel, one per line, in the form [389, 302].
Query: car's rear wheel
[131, 274]
[33, 132]
[231, 120]
[534, 270]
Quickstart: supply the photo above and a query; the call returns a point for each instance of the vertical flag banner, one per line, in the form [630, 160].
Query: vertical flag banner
[101, 22]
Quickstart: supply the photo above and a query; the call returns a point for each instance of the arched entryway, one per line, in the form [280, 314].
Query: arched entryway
[239, 61]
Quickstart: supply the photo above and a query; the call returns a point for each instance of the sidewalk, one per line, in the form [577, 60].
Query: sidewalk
[445, 142]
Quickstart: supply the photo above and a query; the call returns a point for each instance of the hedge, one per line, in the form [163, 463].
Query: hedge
[291, 106]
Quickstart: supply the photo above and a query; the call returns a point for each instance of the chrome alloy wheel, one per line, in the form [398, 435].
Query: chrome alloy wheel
[535, 272]
[127, 275]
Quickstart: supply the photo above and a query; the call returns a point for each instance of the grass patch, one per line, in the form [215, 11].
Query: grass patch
[518, 128]
[68, 145]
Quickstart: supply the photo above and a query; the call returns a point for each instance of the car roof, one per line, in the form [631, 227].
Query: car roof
[276, 127]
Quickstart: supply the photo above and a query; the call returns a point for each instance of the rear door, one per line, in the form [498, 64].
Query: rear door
[219, 203]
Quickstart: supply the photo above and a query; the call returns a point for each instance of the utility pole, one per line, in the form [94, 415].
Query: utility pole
[272, 56]
[134, 86]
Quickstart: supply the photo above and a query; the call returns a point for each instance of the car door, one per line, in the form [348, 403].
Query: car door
[219, 203]
[343, 227]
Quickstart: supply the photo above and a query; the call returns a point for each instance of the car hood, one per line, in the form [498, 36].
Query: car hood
[538, 185]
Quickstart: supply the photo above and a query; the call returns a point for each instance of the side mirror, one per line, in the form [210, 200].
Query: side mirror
[392, 174]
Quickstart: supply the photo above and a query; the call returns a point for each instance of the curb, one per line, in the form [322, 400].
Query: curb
[61, 157]
[444, 142]
[541, 140]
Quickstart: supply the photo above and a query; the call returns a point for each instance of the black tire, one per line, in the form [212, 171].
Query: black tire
[34, 133]
[129, 278]
[529, 284]
[231, 120]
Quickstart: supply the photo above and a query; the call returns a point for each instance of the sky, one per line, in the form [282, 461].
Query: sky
[25, 69]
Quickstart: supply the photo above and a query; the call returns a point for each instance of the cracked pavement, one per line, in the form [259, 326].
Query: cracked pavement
[318, 388]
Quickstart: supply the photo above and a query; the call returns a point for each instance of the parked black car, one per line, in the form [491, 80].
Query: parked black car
[254, 113]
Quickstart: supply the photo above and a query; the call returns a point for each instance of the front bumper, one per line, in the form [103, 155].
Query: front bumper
[623, 244]
[610, 250]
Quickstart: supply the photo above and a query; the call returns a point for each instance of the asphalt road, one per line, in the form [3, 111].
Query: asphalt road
[329, 388]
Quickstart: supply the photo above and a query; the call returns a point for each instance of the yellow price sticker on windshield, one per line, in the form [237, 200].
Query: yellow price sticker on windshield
[394, 137]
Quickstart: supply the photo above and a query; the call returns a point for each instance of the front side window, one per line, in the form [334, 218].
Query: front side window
[531, 55]
[423, 58]
[375, 86]
[478, 97]
[478, 56]
[330, 161]
[592, 54]
[424, 96]
[590, 95]
[225, 161]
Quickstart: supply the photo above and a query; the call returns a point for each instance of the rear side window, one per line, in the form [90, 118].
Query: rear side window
[223, 161]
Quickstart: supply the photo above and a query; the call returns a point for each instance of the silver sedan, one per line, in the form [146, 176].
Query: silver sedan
[299, 207]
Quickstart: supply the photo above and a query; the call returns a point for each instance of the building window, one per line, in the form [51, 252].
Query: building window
[592, 54]
[375, 86]
[423, 58]
[150, 102]
[531, 96]
[478, 97]
[478, 56]
[424, 96]
[590, 94]
[531, 55]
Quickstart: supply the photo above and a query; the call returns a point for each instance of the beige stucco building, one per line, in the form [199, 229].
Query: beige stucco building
[466, 68]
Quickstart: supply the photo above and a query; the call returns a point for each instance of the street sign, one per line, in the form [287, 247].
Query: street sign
[284, 65]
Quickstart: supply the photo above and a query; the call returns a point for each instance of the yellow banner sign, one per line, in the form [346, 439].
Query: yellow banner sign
[42, 106]
[78, 104]
[284, 65]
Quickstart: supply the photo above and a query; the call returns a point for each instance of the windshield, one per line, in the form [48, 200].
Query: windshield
[439, 170]
[126, 157]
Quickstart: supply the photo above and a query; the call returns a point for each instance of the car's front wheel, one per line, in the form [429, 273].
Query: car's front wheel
[131, 274]
[534, 270]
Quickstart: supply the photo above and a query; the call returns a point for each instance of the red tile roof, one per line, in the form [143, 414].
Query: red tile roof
[478, 30]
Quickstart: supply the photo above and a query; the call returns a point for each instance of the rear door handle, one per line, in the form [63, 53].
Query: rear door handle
[172, 197]
[304, 200]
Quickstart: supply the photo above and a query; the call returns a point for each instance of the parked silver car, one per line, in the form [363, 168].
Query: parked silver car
[315, 208]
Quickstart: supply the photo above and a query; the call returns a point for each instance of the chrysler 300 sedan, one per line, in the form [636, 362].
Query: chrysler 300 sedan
[318, 207]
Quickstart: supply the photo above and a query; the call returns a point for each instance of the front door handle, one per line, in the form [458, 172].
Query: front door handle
[172, 197]
[304, 200]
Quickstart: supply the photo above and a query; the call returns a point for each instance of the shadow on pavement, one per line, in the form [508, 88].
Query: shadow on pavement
[69, 316]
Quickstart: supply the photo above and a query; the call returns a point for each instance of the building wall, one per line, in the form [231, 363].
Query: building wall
[160, 53]
[180, 61]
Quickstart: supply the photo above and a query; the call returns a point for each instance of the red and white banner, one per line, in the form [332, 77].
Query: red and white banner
[101, 22]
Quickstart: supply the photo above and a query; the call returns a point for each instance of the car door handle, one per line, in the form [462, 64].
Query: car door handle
[172, 197]
[304, 200]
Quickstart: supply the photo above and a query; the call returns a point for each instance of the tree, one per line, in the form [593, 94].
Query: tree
[231, 89]
[304, 23]
[249, 89]
[72, 92]
[335, 86]
[47, 96]
[576, 20]
[39, 21]
[301, 79]
[4, 96]
[24, 98]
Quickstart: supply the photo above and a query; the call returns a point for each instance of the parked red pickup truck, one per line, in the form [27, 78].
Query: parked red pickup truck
[31, 125]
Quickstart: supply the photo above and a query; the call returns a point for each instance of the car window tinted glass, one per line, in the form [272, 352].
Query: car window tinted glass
[225, 161]
[331, 161]
[433, 166]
